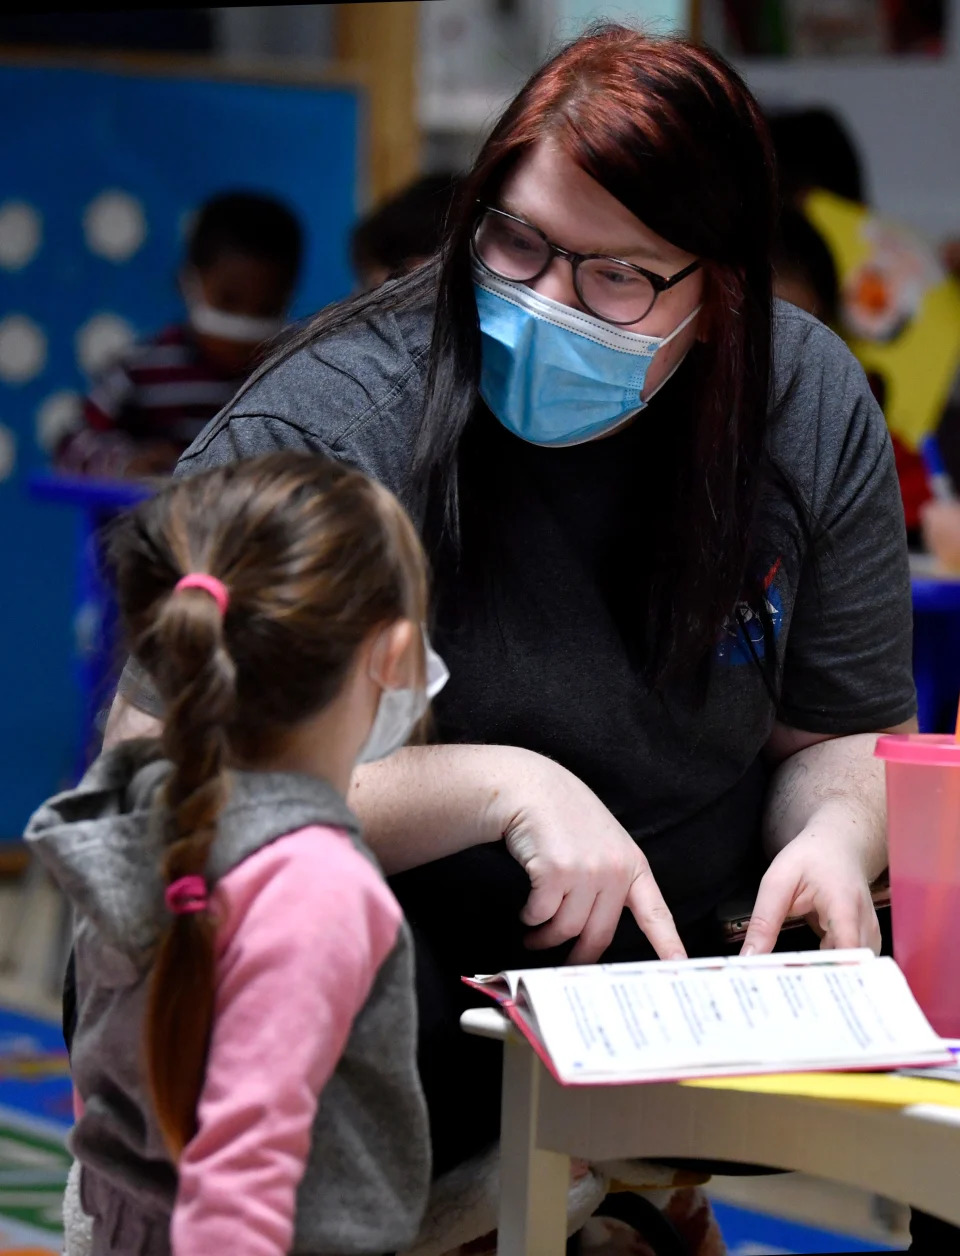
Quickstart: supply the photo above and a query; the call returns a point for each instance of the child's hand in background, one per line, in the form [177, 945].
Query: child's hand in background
[156, 457]
[950, 253]
[940, 521]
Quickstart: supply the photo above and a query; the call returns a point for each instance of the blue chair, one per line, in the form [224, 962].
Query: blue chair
[36, 940]
[97, 503]
[936, 645]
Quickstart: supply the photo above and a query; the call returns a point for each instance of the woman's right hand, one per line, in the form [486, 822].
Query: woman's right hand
[584, 867]
[426, 802]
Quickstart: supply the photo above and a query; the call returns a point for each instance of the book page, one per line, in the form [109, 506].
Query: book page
[643, 1020]
[499, 986]
[507, 984]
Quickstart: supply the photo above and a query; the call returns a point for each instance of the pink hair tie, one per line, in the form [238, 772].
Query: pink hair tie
[186, 895]
[209, 584]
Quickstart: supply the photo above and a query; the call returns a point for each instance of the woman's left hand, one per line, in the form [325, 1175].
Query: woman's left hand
[821, 877]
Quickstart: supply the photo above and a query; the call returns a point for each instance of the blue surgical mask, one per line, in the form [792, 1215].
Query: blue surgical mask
[554, 375]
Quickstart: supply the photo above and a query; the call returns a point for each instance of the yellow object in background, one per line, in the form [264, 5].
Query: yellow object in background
[886, 1089]
[899, 310]
[42, 1066]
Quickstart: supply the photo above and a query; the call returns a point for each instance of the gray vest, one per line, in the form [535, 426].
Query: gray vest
[368, 1171]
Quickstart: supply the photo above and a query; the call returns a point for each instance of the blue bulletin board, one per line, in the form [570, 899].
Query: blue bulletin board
[100, 174]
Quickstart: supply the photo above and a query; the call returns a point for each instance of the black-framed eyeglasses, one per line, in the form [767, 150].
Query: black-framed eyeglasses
[616, 291]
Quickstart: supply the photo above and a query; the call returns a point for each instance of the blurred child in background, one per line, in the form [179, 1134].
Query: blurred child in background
[404, 232]
[803, 269]
[237, 279]
[815, 150]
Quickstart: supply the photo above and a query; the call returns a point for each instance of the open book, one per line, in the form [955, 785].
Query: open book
[666, 1021]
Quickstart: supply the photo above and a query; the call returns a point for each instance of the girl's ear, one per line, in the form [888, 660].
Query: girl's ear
[392, 663]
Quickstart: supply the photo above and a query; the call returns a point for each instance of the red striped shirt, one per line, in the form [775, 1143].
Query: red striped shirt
[159, 390]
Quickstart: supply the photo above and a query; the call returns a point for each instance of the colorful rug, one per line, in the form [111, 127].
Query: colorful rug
[35, 1117]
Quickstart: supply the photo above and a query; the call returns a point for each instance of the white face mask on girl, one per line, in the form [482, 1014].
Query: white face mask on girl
[400, 710]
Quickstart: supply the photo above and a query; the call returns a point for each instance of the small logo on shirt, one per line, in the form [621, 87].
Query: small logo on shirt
[742, 639]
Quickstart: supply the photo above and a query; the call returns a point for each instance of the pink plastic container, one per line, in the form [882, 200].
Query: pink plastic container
[923, 818]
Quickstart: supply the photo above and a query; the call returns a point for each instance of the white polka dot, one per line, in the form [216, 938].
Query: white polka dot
[8, 452]
[57, 416]
[114, 226]
[100, 340]
[20, 234]
[87, 624]
[23, 349]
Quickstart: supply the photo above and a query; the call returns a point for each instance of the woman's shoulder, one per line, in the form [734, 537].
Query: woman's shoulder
[347, 370]
[355, 392]
[806, 353]
[825, 419]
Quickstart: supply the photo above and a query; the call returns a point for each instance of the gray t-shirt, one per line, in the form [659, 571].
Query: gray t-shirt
[550, 669]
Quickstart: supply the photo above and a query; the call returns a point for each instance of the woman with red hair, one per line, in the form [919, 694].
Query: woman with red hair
[670, 568]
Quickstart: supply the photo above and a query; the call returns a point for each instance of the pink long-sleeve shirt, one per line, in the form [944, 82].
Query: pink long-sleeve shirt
[305, 924]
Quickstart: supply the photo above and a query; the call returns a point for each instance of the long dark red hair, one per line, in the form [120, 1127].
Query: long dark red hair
[671, 131]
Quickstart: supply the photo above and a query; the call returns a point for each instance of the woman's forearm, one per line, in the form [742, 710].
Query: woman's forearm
[425, 802]
[835, 785]
[421, 803]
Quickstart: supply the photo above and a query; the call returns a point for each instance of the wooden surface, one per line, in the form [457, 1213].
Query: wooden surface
[13, 859]
[695, 19]
[383, 40]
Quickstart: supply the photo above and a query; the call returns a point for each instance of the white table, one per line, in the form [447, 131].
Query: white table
[910, 1154]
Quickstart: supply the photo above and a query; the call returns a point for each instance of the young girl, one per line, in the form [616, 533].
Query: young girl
[245, 1056]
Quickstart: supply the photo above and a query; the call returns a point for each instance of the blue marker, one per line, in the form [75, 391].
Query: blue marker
[941, 484]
